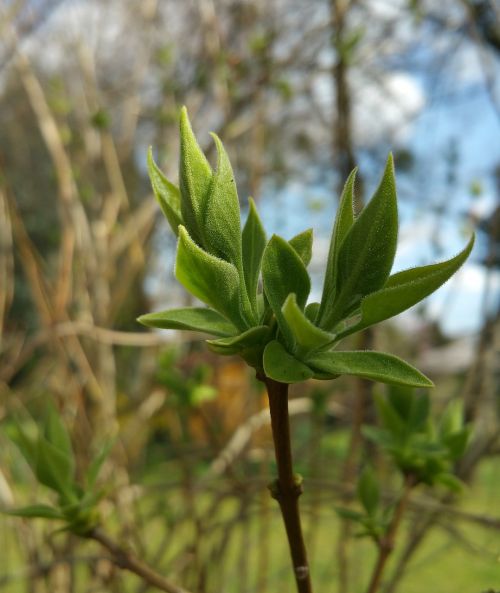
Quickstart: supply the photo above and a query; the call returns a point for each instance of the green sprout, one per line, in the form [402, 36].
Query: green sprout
[257, 289]
[49, 453]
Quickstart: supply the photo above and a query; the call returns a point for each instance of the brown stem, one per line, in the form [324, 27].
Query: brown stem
[288, 487]
[386, 543]
[124, 559]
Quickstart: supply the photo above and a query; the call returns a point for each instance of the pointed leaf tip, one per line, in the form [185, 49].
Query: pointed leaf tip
[376, 366]
[407, 288]
[195, 175]
[166, 193]
[221, 211]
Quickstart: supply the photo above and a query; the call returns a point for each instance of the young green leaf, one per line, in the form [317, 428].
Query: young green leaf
[349, 514]
[390, 419]
[195, 176]
[344, 220]
[452, 419]
[35, 511]
[221, 212]
[54, 469]
[56, 433]
[311, 311]
[166, 193]
[302, 243]
[413, 408]
[456, 443]
[405, 289]
[212, 280]
[191, 318]
[282, 366]
[449, 481]
[283, 273]
[307, 336]
[254, 243]
[368, 491]
[377, 366]
[367, 253]
[236, 344]
[25, 442]
[95, 466]
[420, 410]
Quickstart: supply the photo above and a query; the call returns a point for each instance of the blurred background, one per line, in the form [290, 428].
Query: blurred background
[300, 91]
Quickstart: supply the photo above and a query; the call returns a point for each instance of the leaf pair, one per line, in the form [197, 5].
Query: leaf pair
[360, 259]
[361, 251]
[377, 366]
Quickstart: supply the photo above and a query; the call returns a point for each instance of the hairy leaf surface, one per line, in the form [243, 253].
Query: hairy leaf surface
[221, 220]
[377, 366]
[236, 344]
[367, 253]
[282, 366]
[284, 273]
[344, 219]
[405, 289]
[191, 318]
[195, 176]
[302, 243]
[307, 336]
[166, 193]
[212, 280]
[254, 243]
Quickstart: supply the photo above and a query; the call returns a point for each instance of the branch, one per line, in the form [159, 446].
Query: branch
[126, 560]
[288, 486]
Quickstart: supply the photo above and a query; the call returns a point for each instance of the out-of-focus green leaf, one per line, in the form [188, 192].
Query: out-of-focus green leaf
[307, 336]
[195, 176]
[390, 419]
[449, 481]
[401, 397]
[284, 273]
[368, 491]
[413, 408]
[302, 243]
[367, 253]
[282, 366]
[54, 469]
[166, 193]
[26, 443]
[379, 436]
[405, 289]
[452, 419]
[56, 433]
[349, 514]
[221, 212]
[377, 366]
[344, 220]
[419, 412]
[254, 243]
[95, 466]
[35, 511]
[191, 318]
[456, 443]
[212, 280]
